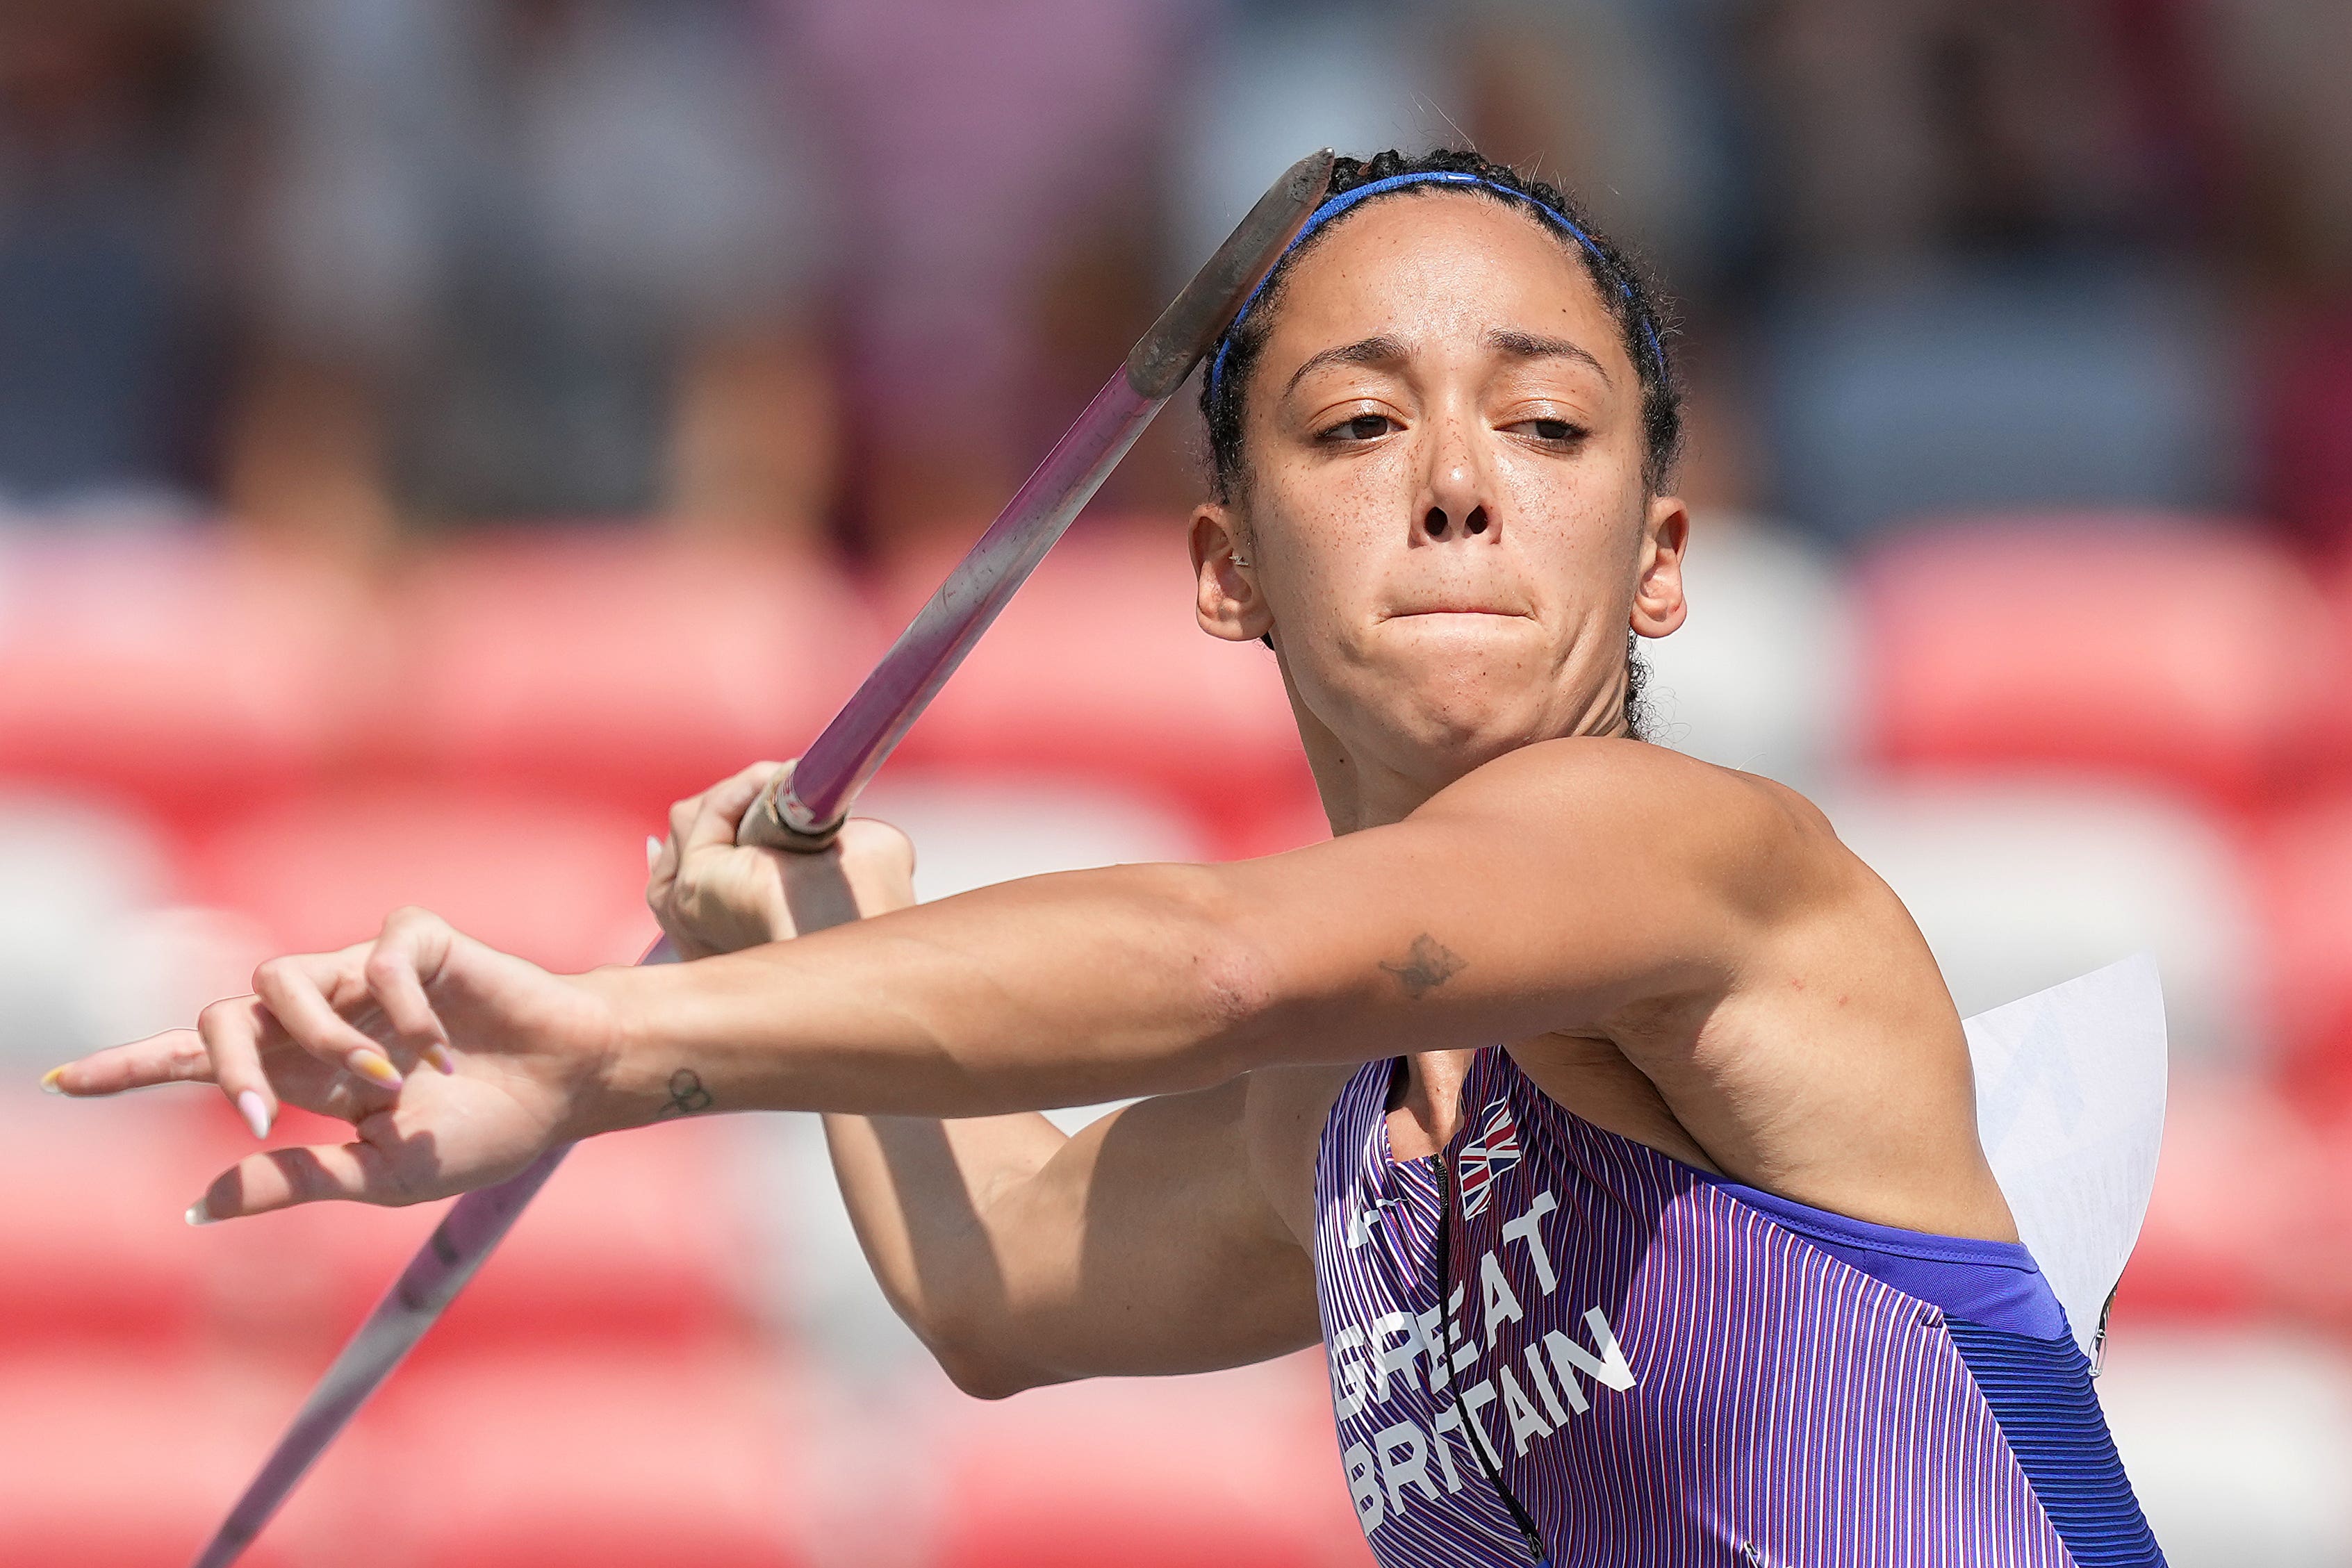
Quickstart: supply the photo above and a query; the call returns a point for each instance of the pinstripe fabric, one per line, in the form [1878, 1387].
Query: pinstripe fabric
[1419, 1491]
[1665, 1376]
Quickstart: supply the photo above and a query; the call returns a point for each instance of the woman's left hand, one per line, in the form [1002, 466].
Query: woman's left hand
[714, 896]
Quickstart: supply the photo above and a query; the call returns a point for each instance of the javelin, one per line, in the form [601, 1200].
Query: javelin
[805, 807]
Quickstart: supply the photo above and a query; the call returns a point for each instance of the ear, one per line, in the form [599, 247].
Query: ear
[1228, 601]
[1658, 606]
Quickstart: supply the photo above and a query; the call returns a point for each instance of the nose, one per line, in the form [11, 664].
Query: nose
[1455, 504]
[1436, 523]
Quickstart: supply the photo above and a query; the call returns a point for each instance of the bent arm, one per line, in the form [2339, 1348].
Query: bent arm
[1142, 1245]
[1550, 890]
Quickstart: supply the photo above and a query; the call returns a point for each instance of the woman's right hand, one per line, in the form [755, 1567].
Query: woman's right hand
[520, 1054]
[714, 896]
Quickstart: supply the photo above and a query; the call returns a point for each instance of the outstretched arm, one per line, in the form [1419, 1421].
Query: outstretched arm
[1588, 885]
[1552, 890]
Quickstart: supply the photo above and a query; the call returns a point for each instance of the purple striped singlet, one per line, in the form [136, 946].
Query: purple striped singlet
[1663, 1369]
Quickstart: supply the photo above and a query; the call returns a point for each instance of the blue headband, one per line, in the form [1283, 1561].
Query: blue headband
[1345, 199]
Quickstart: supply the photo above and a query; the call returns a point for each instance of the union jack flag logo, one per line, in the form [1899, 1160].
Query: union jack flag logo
[1495, 1150]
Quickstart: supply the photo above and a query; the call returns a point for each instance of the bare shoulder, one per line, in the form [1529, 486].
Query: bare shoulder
[1286, 1110]
[1748, 835]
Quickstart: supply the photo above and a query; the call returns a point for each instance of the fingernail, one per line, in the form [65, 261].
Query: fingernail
[375, 1068]
[49, 1084]
[653, 851]
[198, 1214]
[256, 1114]
[442, 1057]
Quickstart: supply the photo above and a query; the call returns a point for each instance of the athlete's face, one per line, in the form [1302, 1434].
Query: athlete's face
[1446, 519]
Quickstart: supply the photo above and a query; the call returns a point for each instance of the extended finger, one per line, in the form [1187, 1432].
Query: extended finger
[175, 1056]
[282, 1178]
[291, 990]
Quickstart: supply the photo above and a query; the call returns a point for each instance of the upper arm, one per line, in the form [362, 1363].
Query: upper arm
[1147, 1244]
[1552, 888]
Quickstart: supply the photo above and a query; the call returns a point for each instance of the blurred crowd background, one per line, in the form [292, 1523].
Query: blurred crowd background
[436, 434]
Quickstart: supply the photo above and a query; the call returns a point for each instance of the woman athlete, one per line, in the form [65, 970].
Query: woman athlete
[1605, 1118]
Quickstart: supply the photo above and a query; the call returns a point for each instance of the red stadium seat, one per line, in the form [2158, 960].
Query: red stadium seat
[115, 1458]
[1239, 1471]
[94, 1246]
[2304, 875]
[560, 884]
[2192, 656]
[638, 1240]
[2234, 1219]
[656, 1459]
[188, 673]
[1098, 669]
[623, 667]
[2330, 753]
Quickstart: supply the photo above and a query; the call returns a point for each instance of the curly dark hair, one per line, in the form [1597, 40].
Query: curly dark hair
[1641, 309]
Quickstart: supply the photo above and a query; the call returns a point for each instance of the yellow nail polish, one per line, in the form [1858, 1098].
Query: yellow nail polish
[374, 1068]
[442, 1057]
[49, 1084]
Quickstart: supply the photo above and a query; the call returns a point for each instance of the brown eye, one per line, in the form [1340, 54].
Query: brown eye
[1552, 431]
[1362, 428]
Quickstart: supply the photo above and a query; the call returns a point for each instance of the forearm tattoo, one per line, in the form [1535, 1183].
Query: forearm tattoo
[687, 1095]
[1429, 965]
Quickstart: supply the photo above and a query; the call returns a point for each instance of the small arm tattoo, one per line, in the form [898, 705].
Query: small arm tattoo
[1429, 965]
[687, 1094]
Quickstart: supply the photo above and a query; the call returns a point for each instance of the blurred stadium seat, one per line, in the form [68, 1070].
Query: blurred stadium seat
[2021, 885]
[2302, 868]
[629, 668]
[1237, 1469]
[1762, 676]
[2328, 755]
[2143, 646]
[189, 673]
[663, 1458]
[560, 882]
[96, 1250]
[1955, 390]
[641, 1239]
[2240, 1210]
[1098, 671]
[117, 1458]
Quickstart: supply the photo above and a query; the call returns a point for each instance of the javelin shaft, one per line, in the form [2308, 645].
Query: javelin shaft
[805, 808]
[466, 1235]
[802, 810]
[847, 753]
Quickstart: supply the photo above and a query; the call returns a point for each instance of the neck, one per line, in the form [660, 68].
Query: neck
[1359, 790]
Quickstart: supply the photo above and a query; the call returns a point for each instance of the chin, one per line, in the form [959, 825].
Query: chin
[1463, 724]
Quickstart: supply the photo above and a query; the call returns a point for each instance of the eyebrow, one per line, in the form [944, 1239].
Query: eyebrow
[1528, 346]
[1385, 351]
[1363, 352]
